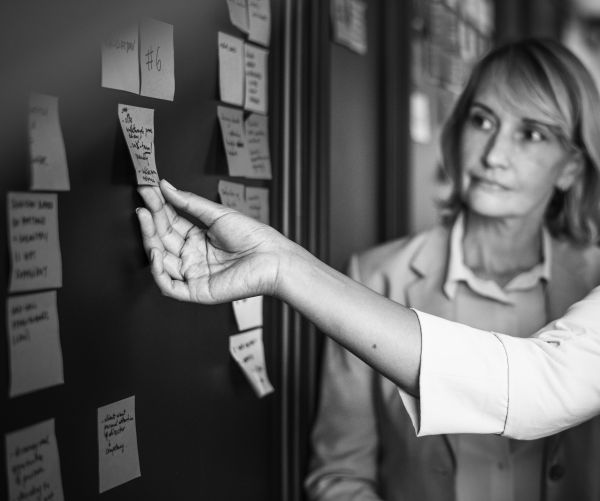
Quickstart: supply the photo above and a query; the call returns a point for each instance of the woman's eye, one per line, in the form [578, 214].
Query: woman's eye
[533, 135]
[481, 122]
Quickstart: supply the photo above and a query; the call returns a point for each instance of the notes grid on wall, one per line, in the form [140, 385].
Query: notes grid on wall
[243, 83]
[113, 390]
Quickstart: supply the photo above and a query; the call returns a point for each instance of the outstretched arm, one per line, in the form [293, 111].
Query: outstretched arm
[230, 256]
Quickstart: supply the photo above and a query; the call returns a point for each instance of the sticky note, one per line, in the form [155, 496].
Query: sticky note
[118, 460]
[238, 14]
[138, 128]
[33, 463]
[420, 118]
[232, 195]
[33, 239]
[120, 60]
[157, 59]
[256, 78]
[257, 138]
[259, 16]
[350, 24]
[248, 312]
[231, 69]
[48, 158]
[257, 203]
[248, 351]
[234, 140]
[34, 343]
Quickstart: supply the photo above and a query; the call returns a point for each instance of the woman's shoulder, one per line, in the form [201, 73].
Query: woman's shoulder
[400, 252]
[583, 259]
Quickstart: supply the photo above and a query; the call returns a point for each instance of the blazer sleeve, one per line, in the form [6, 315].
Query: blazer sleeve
[484, 392]
[343, 465]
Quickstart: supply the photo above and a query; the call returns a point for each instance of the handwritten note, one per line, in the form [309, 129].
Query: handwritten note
[248, 351]
[350, 24]
[234, 140]
[257, 138]
[257, 203]
[120, 60]
[259, 13]
[238, 14]
[48, 158]
[232, 195]
[33, 239]
[33, 464]
[231, 69]
[248, 312]
[256, 78]
[138, 128]
[33, 338]
[157, 64]
[117, 444]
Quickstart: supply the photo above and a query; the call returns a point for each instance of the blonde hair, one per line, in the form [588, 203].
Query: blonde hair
[550, 78]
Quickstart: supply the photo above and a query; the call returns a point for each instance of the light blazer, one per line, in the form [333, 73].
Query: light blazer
[364, 443]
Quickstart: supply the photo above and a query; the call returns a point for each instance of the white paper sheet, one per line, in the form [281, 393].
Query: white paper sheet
[120, 60]
[259, 14]
[33, 464]
[234, 140]
[238, 14]
[36, 360]
[257, 138]
[48, 158]
[256, 78]
[231, 69]
[257, 203]
[248, 312]
[157, 59]
[248, 351]
[232, 195]
[138, 128]
[33, 240]
[117, 444]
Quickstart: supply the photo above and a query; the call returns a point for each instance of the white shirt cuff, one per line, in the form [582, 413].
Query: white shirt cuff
[458, 393]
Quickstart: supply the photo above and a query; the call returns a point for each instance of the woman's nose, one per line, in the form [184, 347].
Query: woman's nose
[497, 150]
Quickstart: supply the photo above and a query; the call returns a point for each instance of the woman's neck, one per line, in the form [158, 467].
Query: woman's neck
[500, 249]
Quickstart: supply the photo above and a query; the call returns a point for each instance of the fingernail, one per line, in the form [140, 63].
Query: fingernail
[169, 185]
[137, 210]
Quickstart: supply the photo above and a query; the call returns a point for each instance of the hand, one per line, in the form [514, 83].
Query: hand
[233, 257]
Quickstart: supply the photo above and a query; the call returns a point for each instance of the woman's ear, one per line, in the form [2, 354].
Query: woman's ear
[571, 172]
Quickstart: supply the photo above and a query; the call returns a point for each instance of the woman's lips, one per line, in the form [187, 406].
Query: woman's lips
[488, 185]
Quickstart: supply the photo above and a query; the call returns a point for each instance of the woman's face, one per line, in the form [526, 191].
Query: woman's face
[512, 159]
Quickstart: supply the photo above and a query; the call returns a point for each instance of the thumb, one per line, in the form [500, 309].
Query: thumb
[201, 208]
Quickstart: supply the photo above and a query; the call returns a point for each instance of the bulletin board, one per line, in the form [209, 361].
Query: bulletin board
[202, 432]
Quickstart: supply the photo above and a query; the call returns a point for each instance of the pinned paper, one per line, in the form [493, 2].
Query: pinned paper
[234, 140]
[259, 13]
[231, 69]
[248, 351]
[232, 195]
[33, 464]
[257, 203]
[48, 158]
[34, 342]
[120, 60]
[117, 444]
[238, 14]
[256, 78]
[257, 138]
[33, 239]
[248, 312]
[138, 128]
[350, 24]
[157, 59]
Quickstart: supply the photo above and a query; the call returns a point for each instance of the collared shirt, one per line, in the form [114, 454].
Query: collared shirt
[495, 468]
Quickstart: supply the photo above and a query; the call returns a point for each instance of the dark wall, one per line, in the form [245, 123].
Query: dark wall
[202, 433]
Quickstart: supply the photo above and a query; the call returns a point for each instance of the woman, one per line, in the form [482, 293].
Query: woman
[463, 378]
[517, 252]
